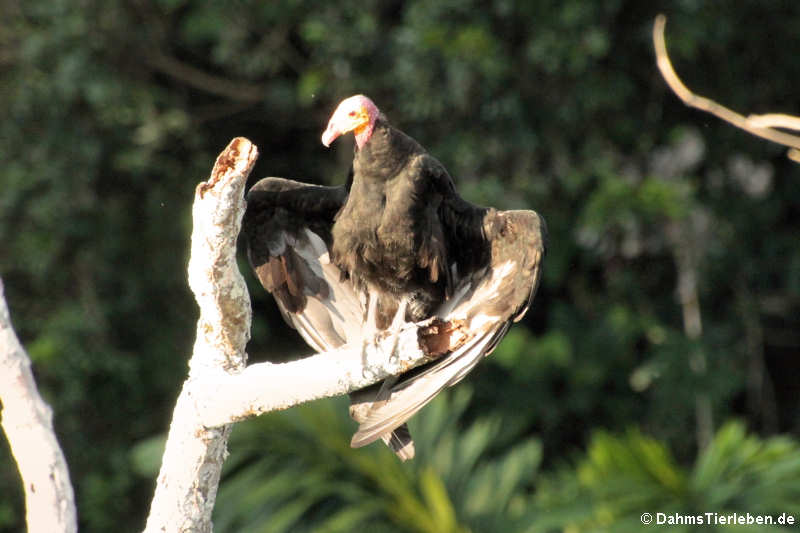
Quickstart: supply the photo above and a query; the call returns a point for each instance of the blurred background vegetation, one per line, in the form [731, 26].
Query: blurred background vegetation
[657, 370]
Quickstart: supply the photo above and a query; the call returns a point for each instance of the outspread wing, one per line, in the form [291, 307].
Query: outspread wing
[482, 306]
[287, 229]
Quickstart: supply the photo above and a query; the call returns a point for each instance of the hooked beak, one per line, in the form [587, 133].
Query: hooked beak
[330, 134]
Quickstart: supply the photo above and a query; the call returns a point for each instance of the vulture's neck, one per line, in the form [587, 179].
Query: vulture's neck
[384, 155]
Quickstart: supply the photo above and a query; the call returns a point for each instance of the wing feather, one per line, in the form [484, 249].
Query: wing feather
[486, 301]
[286, 227]
[287, 230]
[407, 398]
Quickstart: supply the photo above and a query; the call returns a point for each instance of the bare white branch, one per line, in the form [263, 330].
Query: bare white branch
[774, 120]
[28, 424]
[187, 483]
[266, 387]
[759, 125]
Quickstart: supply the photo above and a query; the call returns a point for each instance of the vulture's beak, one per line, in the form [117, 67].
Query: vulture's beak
[330, 134]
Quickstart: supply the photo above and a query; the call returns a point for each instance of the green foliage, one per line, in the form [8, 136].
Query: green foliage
[625, 476]
[295, 471]
[113, 111]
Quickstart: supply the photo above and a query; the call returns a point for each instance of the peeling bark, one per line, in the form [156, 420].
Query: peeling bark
[186, 486]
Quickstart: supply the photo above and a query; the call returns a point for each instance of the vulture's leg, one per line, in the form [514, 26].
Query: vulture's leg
[397, 324]
[370, 332]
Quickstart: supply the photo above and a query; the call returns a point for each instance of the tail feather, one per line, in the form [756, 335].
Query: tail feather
[400, 442]
[398, 439]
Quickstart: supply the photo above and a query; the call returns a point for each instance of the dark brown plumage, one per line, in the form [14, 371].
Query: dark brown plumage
[395, 244]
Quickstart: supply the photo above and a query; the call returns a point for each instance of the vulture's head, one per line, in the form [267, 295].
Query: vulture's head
[357, 114]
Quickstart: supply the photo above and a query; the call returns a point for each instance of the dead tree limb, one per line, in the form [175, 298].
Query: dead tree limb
[28, 424]
[760, 125]
[186, 486]
[219, 389]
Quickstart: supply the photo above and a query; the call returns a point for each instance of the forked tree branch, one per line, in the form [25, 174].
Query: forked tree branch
[219, 389]
[28, 424]
[759, 125]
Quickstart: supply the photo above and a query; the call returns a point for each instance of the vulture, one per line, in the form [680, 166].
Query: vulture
[395, 244]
